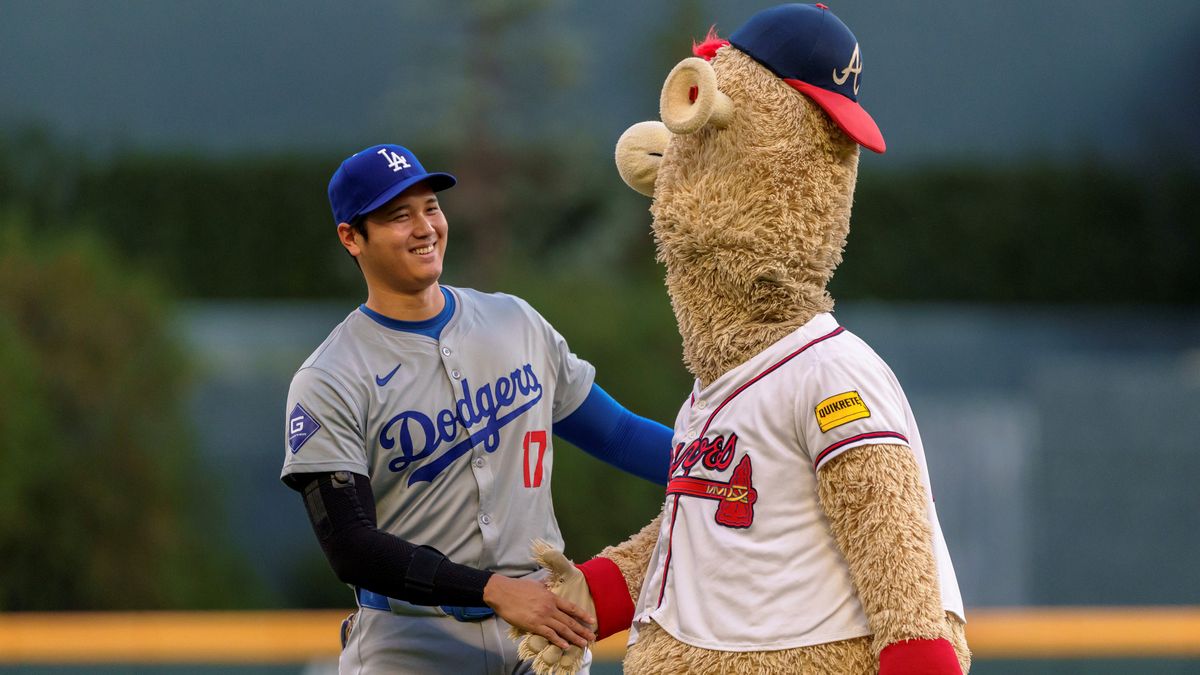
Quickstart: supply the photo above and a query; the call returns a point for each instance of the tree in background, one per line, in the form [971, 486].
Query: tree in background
[100, 497]
[515, 61]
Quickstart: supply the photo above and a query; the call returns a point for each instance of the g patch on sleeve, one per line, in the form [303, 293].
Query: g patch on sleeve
[840, 409]
[301, 427]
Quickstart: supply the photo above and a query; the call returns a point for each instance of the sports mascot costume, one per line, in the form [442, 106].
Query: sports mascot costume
[798, 533]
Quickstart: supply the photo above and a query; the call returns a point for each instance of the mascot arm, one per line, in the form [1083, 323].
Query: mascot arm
[615, 577]
[605, 586]
[875, 502]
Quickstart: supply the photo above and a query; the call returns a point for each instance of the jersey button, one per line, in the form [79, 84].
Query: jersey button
[701, 404]
[446, 351]
[479, 462]
[455, 374]
[485, 519]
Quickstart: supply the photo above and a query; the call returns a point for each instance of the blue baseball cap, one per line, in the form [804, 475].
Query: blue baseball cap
[370, 178]
[815, 53]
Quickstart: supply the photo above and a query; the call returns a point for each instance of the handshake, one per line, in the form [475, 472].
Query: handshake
[553, 621]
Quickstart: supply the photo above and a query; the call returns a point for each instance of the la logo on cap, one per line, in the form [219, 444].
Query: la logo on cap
[395, 160]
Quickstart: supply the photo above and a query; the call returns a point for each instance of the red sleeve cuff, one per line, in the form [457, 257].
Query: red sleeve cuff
[610, 594]
[919, 657]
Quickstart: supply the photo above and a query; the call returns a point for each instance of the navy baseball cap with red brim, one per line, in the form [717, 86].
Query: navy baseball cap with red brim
[370, 178]
[812, 51]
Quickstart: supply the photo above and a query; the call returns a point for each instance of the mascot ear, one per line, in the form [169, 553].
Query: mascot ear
[690, 98]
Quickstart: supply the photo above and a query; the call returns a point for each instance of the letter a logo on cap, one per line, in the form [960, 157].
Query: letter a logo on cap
[855, 67]
[395, 160]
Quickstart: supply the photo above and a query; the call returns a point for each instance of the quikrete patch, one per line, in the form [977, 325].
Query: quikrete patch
[838, 410]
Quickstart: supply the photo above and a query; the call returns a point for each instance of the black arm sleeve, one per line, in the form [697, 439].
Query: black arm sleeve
[341, 507]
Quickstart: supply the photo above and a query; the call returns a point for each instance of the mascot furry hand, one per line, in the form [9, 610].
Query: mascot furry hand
[798, 533]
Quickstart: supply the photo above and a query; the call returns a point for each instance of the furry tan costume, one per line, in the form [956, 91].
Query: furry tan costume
[752, 183]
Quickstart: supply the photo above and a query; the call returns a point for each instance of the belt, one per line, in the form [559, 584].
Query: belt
[372, 600]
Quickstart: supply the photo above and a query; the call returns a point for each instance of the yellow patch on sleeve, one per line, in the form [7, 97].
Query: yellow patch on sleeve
[838, 410]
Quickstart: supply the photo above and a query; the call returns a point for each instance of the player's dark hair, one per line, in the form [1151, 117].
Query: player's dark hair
[359, 225]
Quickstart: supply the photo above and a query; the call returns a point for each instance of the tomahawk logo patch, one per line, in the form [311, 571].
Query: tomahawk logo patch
[838, 410]
[735, 498]
[301, 427]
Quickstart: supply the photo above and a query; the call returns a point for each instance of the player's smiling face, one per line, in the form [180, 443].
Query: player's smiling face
[406, 241]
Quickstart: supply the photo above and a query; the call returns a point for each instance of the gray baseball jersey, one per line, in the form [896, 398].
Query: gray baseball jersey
[454, 433]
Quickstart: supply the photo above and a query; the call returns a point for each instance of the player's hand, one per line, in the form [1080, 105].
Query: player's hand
[568, 583]
[530, 607]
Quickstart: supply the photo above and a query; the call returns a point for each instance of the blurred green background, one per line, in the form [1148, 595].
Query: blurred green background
[1024, 256]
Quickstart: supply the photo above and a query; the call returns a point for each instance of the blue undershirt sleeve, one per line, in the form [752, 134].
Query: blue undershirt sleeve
[605, 430]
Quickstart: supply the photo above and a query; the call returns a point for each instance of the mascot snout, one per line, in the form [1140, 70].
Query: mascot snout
[639, 153]
[690, 100]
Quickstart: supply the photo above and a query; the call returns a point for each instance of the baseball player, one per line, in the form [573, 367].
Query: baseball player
[420, 434]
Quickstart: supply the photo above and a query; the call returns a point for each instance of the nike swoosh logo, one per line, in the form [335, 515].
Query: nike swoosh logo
[382, 381]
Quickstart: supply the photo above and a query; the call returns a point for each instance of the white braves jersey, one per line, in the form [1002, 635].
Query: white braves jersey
[454, 433]
[745, 559]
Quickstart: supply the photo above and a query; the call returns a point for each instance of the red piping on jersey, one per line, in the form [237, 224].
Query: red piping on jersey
[671, 534]
[670, 548]
[855, 439]
[835, 332]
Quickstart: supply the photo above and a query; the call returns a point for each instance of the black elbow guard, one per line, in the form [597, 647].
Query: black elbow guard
[419, 579]
[341, 507]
